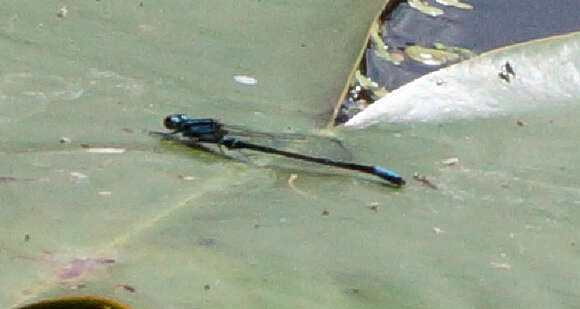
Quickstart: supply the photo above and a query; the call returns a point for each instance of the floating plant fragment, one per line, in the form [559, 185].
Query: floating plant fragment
[425, 8]
[369, 84]
[464, 53]
[455, 3]
[430, 56]
[381, 49]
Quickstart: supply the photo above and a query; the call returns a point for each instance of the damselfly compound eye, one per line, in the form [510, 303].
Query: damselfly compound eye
[172, 121]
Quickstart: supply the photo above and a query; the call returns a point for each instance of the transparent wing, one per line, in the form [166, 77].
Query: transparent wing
[313, 144]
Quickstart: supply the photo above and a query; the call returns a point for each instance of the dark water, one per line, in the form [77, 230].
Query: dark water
[491, 24]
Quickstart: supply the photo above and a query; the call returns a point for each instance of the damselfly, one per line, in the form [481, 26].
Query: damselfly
[199, 131]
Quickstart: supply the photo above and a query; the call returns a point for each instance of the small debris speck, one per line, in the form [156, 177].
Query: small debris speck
[437, 230]
[105, 193]
[423, 179]
[62, 12]
[79, 176]
[77, 286]
[105, 150]
[521, 123]
[207, 242]
[450, 161]
[7, 179]
[245, 80]
[127, 288]
[502, 266]
[206, 287]
[507, 72]
[65, 140]
[325, 213]
[187, 178]
[26, 237]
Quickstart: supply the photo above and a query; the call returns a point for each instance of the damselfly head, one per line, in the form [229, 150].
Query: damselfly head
[172, 122]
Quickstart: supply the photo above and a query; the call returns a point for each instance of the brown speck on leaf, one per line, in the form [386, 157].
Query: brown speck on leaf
[355, 291]
[374, 208]
[521, 123]
[7, 179]
[325, 213]
[206, 287]
[141, 4]
[423, 179]
[77, 286]
[127, 288]
[207, 242]
[85, 146]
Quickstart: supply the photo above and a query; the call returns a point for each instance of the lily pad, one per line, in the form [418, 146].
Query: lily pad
[475, 88]
[93, 205]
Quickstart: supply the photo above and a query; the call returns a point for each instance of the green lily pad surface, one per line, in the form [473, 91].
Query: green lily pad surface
[90, 204]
